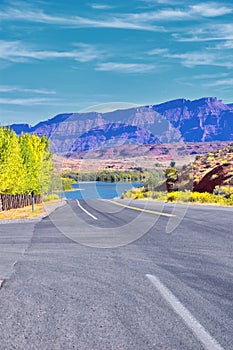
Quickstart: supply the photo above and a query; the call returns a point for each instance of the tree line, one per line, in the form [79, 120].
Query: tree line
[25, 163]
[107, 176]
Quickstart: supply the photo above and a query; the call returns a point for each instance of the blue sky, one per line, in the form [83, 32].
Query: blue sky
[65, 56]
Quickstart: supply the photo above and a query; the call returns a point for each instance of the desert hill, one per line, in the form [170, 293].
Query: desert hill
[208, 171]
[131, 156]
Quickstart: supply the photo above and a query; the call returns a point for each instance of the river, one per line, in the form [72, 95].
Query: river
[105, 190]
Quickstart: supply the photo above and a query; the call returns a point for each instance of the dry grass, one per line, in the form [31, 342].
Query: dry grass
[24, 213]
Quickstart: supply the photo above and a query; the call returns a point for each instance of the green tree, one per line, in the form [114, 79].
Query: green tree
[12, 173]
[37, 162]
[25, 163]
[46, 166]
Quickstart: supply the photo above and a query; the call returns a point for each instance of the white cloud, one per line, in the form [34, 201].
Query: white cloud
[101, 7]
[163, 2]
[166, 14]
[39, 16]
[211, 56]
[17, 51]
[223, 82]
[184, 13]
[132, 21]
[227, 45]
[33, 91]
[217, 32]
[210, 76]
[125, 67]
[211, 9]
[207, 80]
[27, 101]
[157, 51]
[192, 59]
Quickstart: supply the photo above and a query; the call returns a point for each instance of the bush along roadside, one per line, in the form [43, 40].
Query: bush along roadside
[179, 196]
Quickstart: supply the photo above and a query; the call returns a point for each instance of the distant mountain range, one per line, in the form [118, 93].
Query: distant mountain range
[206, 119]
[113, 135]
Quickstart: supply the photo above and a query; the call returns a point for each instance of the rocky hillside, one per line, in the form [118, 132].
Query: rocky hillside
[206, 119]
[208, 171]
[113, 135]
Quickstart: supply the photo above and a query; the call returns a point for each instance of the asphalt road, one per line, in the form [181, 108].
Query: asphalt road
[97, 275]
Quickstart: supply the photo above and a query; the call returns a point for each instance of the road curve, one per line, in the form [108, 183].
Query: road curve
[127, 275]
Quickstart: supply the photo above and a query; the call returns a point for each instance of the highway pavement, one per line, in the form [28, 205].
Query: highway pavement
[98, 275]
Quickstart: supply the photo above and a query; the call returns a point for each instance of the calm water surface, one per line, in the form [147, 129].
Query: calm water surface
[92, 190]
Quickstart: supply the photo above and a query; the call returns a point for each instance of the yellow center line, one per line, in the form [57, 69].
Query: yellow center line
[140, 209]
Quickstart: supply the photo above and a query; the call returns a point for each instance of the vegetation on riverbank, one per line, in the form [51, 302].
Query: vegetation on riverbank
[62, 183]
[222, 196]
[137, 175]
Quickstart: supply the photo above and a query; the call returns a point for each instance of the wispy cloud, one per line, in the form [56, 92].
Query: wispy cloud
[207, 80]
[222, 82]
[17, 51]
[161, 15]
[157, 51]
[125, 67]
[27, 101]
[39, 16]
[192, 59]
[211, 9]
[33, 91]
[101, 6]
[185, 12]
[227, 45]
[210, 76]
[131, 21]
[205, 57]
[163, 2]
[210, 32]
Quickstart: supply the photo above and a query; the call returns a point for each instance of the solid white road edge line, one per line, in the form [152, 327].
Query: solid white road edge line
[85, 211]
[202, 335]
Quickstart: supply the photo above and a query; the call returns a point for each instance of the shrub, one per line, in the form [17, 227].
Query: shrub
[139, 195]
[185, 196]
[206, 197]
[172, 196]
[180, 196]
[229, 201]
[50, 197]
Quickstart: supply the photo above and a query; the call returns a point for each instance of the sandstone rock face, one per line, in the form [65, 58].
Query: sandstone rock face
[218, 176]
[206, 119]
[208, 171]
